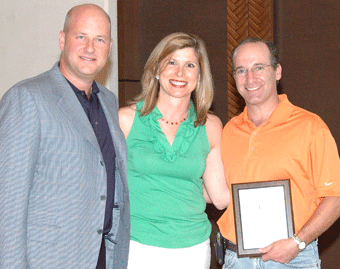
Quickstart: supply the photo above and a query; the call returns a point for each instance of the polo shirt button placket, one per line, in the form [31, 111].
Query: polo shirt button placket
[252, 148]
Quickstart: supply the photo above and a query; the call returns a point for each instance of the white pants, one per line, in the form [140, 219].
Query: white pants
[150, 257]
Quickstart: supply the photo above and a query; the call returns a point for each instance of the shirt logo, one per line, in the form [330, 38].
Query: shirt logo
[328, 183]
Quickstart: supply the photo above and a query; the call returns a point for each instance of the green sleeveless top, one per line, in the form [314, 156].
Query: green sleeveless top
[165, 184]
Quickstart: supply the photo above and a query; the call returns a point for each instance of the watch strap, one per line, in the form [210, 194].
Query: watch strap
[301, 244]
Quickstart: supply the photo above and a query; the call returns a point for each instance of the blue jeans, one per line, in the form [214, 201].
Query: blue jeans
[308, 258]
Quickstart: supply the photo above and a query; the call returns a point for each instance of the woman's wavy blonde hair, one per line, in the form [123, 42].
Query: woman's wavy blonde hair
[203, 94]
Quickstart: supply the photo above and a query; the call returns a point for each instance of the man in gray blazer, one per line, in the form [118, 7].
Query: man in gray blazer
[63, 188]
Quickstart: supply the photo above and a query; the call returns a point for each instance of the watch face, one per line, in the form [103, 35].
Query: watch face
[302, 245]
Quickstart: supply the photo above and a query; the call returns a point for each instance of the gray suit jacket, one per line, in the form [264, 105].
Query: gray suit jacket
[52, 179]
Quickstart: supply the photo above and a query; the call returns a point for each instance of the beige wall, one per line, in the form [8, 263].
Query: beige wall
[29, 39]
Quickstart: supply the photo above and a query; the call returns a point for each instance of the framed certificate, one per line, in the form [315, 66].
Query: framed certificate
[263, 215]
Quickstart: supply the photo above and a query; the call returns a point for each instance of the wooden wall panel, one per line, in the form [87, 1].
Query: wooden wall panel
[130, 65]
[251, 18]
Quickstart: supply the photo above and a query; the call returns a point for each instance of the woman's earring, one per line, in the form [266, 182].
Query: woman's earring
[157, 77]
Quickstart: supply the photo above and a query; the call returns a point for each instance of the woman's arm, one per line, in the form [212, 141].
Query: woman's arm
[215, 186]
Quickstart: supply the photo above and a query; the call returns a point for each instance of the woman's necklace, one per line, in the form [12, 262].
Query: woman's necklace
[173, 122]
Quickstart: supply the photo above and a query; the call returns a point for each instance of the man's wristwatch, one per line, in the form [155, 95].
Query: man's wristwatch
[301, 244]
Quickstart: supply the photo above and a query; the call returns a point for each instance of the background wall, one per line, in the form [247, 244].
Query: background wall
[29, 35]
[308, 38]
[142, 24]
[307, 34]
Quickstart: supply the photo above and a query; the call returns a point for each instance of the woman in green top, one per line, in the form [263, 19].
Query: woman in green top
[174, 158]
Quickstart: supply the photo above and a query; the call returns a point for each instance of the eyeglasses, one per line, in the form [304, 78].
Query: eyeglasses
[257, 70]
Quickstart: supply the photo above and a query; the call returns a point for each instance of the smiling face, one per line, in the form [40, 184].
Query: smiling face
[257, 89]
[85, 44]
[179, 74]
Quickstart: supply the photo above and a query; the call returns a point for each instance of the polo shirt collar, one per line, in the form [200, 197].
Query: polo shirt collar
[281, 113]
[283, 110]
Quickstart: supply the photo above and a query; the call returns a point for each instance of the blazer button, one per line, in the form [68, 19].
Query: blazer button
[103, 197]
[99, 231]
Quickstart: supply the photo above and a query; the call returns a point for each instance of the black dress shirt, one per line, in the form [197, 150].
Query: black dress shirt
[97, 118]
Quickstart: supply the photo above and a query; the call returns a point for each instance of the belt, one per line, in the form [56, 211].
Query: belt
[229, 245]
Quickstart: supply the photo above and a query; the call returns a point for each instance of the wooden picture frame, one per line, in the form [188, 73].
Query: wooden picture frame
[263, 215]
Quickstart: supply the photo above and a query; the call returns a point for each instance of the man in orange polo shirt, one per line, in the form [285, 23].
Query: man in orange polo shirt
[273, 140]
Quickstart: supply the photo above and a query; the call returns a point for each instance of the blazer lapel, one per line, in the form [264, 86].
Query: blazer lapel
[70, 106]
[111, 115]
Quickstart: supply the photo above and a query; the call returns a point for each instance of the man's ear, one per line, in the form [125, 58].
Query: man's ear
[110, 46]
[62, 40]
[278, 72]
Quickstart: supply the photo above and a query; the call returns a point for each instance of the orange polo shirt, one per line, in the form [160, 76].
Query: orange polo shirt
[294, 144]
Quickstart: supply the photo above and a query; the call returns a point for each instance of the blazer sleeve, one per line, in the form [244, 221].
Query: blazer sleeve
[19, 149]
